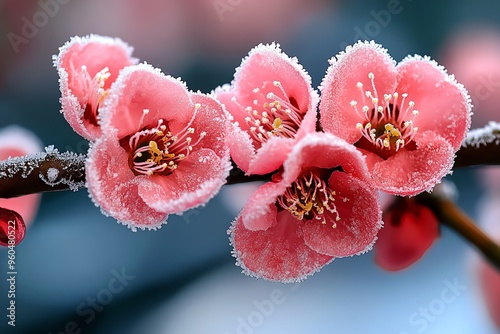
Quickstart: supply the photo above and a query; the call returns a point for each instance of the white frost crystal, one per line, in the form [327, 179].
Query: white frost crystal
[70, 163]
[52, 174]
[483, 136]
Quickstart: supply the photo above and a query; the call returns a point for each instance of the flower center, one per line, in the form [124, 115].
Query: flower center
[94, 88]
[309, 197]
[272, 113]
[157, 151]
[388, 124]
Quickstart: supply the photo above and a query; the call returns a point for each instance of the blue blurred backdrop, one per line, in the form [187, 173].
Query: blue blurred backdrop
[182, 279]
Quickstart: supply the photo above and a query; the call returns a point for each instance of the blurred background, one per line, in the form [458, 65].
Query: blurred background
[182, 278]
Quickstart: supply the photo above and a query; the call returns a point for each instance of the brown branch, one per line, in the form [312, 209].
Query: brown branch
[40, 172]
[481, 147]
[28, 175]
[52, 171]
[236, 176]
[449, 214]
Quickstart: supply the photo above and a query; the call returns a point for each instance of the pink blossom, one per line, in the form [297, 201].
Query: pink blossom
[408, 119]
[87, 66]
[12, 227]
[489, 278]
[320, 207]
[472, 56]
[15, 142]
[409, 231]
[234, 26]
[488, 213]
[163, 149]
[272, 104]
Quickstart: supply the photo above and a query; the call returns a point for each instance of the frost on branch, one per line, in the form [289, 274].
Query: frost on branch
[489, 135]
[480, 147]
[44, 171]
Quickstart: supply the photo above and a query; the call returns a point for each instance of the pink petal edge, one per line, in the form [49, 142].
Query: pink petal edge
[285, 272]
[188, 187]
[272, 155]
[450, 120]
[280, 58]
[316, 148]
[421, 169]
[338, 87]
[162, 95]
[259, 213]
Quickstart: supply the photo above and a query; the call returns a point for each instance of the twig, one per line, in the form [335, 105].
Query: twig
[449, 214]
[40, 172]
[37, 172]
[480, 147]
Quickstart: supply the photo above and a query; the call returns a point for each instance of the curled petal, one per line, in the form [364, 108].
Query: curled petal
[324, 150]
[241, 147]
[259, 213]
[271, 156]
[87, 66]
